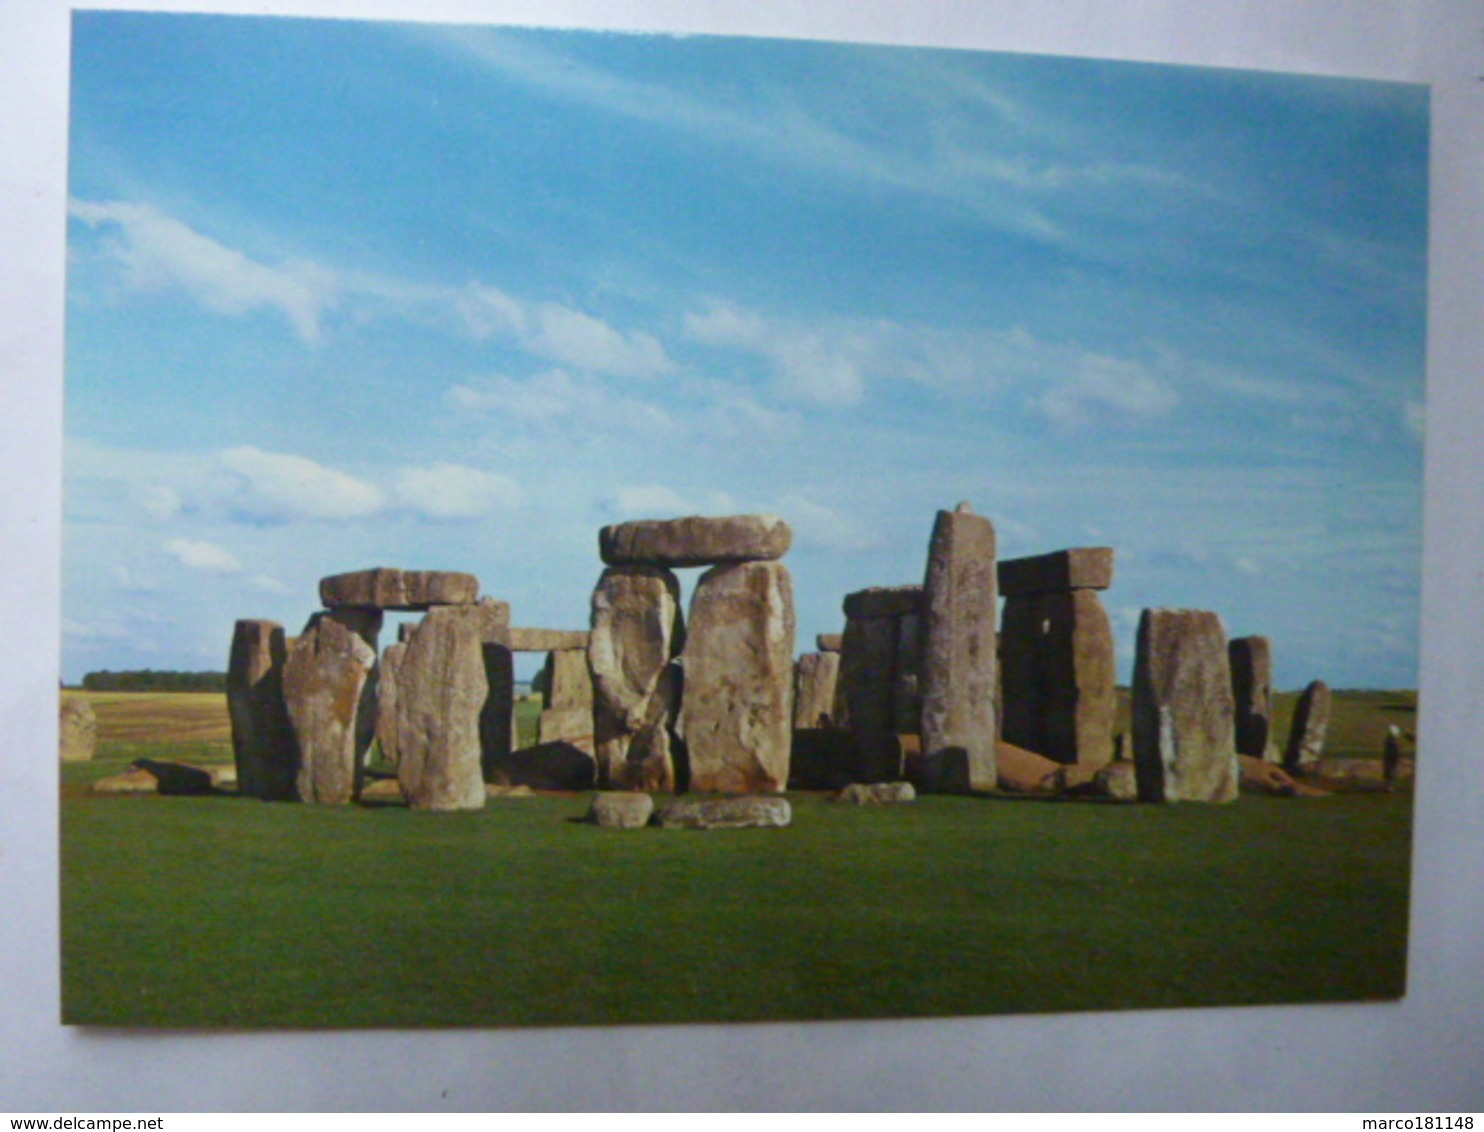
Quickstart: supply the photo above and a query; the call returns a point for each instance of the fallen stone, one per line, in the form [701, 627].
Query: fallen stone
[636, 633]
[736, 714]
[877, 793]
[1080, 568]
[134, 781]
[1258, 776]
[402, 590]
[829, 642]
[263, 743]
[1310, 726]
[1024, 772]
[383, 790]
[324, 673]
[1251, 660]
[441, 693]
[177, 779]
[725, 813]
[494, 790]
[547, 640]
[958, 643]
[695, 541]
[77, 730]
[1184, 736]
[223, 776]
[621, 810]
[815, 677]
[556, 765]
[882, 601]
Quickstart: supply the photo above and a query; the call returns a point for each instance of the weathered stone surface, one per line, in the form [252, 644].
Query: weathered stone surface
[1310, 726]
[695, 541]
[621, 809]
[883, 601]
[741, 812]
[958, 643]
[736, 716]
[1184, 737]
[1057, 674]
[405, 631]
[1251, 660]
[406, 590]
[554, 765]
[1080, 568]
[263, 741]
[1258, 776]
[877, 793]
[324, 674]
[1120, 781]
[815, 677]
[523, 639]
[906, 684]
[441, 693]
[387, 733]
[829, 642]
[636, 633]
[1024, 772]
[568, 681]
[568, 725]
[867, 688]
[366, 624]
[77, 730]
[383, 790]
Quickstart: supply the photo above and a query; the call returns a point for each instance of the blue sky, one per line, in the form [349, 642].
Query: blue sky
[351, 294]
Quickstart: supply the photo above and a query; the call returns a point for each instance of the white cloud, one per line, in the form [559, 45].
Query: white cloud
[451, 491]
[1105, 388]
[203, 556]
[816, 525]
[580, 406]
[276, 487]
[158, 252]
[824, 365]
[267, 584]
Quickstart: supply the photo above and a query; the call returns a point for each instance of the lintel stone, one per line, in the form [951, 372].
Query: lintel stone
[884, 601]
[401, 590]
[1080, 568]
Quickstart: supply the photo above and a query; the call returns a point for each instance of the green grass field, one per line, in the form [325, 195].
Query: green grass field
[221, 911]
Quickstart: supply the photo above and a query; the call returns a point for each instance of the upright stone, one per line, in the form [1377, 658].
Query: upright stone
[815, 677]
[263, 743]
[737, 712]
[1184, 738]
[1251, 661]
[958, 662]
[907, 681]
[567, 714]
[77, 730]
[866, 695]
[636, 633]
[387, 724]
[1310, 727]
[441, 693]
[324, 674]
[695, 541]
[1058, 672]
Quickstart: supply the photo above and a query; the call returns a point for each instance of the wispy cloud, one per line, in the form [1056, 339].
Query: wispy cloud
[454, 492]
[276, 487]
[205, 556]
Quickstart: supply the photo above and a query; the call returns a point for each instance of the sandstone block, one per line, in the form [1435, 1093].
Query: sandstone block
[883, 601]
[263, 741]
[568, 725]
[568, 680]
[958, 643]
[406, 590]
[1058, 670]
[77, 730]
[1080, 568]
[736, 716]
[441, 694]
[695, 541]
[636, 633]
[815, 677]
[725, 813]
[829, 642]
[1310, 726]
[1258, 776]
[877, 793]
[1023, 772]
[1251, 660]
[324, 673]
[387, 733]
[621, 810]
[547, 640]
[1184, 735]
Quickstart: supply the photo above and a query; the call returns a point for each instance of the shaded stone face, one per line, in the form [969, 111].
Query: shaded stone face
[695, 541]
[883, 601]
[828, 642]
[867, 693]
[1184, 738]
[636, 633]
[737, 711]
[958, 644]
[1058, 672]
[387, 734]
[324, 674]
[1079, 568]
[77, 733]
[405, 590]
[263, 744]
[1310, 727]
[815, 677]
[441, 693]
[1251, 660]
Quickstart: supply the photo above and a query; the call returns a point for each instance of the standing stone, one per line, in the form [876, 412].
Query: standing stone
[1184, 738]
[907, 680]
[263, 744]
[324, 674]
[1058, 674]
[365, 622]
[1310, 726]
[958, 635]
[695, 541]
[441, 692]
[569, 681]
[77, 730]
[815, 677]
[867, 692]
[737, 713]
[636, 633]
[387, 728]
[1251, 661]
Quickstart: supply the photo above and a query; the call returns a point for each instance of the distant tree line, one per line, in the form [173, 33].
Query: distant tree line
[148, 680]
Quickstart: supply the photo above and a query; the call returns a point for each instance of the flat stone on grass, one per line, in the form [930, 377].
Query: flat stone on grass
[621, 809]
[744, 812]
